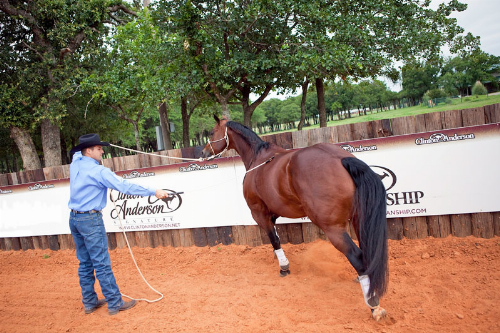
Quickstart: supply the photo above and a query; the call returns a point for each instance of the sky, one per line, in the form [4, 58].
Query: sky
[481, 18]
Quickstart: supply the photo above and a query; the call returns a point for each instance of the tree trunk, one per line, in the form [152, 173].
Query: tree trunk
[51, 143]
[136, 135]
[225, 109]
[249, 108]
[15, 167]
[64, 151]
[26, 147]
[185, 122]
[305, 84]
[320, 90]
[165, 130]
[7, 166]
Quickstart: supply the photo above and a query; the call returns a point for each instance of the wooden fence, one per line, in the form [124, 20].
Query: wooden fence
[484, 225]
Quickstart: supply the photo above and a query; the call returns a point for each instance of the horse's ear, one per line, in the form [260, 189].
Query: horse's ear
[216, 119]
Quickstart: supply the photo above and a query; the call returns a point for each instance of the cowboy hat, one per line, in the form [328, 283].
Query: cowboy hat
[88, 140]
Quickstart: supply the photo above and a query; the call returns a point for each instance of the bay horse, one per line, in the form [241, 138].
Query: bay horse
[323, 182]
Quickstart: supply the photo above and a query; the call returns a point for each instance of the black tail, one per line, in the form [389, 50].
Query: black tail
[370, 209]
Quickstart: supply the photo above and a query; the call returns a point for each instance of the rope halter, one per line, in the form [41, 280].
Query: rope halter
[226, 137]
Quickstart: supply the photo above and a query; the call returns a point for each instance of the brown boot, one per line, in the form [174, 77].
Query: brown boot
[125, 306]
[100, 303]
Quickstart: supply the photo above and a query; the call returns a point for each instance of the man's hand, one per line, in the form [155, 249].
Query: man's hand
[161, 194]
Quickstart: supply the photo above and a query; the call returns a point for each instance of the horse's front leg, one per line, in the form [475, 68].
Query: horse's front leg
[278, 251]
[267, 222]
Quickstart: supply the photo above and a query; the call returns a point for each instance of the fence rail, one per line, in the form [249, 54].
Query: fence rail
[484, 225]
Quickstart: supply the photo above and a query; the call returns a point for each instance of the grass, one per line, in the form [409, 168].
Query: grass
[456, 104]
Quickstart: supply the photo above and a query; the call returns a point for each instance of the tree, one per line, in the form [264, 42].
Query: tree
[240, 47]
[419, 78]
[44, 43]
[131, 79]
[449, 83]
[462, 71]
[360, 39]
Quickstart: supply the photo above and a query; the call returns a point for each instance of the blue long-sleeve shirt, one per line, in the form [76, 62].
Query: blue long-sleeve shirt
[89, 182]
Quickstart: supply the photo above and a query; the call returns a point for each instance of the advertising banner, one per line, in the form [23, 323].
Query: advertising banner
[444, 172]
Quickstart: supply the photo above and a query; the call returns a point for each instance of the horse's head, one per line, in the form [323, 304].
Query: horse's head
[218, 141]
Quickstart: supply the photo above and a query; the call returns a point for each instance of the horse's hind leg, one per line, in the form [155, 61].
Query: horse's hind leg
[343, 242]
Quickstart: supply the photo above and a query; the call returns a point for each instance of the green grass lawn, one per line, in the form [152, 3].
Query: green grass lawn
[456, 104]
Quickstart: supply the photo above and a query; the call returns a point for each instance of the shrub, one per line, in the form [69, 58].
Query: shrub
[479, 89]
[436, 93]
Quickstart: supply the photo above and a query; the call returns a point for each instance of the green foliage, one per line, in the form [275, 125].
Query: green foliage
[436, 93]
[479, 89]
[464, 70]
[45, 56]
[130, 78]
[419, 78]
[63, 67]
[48, 46]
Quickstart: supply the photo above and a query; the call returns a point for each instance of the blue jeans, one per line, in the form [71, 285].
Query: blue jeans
[92, 252]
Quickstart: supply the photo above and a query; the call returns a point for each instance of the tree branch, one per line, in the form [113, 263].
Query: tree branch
[264, 95]
[121, 113]
[10, 10]
[250, 26]
[116, 19]
[116, 8]
[32, 49]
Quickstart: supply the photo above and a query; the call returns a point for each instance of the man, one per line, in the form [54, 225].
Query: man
[89, 182]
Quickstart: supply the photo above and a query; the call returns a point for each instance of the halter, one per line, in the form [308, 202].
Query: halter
[226, 137]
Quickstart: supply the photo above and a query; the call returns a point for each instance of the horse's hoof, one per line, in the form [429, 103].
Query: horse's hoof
[378, 313]
[284, 272]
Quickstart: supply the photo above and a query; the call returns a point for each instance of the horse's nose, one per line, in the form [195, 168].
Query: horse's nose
[205, 153]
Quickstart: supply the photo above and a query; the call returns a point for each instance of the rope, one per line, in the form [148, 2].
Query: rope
[269, 160]
[123, 230]
[201, 159]
[135, 262]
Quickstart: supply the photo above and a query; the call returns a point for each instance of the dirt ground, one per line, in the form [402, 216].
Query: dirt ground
[436, 285]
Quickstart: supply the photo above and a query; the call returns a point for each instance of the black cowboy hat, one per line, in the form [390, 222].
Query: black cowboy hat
[88, 140]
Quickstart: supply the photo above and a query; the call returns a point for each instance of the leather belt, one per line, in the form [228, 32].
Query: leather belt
[88, 212]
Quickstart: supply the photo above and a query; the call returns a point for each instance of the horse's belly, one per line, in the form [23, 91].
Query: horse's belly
[286, 207]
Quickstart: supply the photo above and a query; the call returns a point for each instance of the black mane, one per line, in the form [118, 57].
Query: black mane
[249, 136]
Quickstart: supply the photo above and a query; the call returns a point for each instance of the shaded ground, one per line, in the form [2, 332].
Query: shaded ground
[445, 285]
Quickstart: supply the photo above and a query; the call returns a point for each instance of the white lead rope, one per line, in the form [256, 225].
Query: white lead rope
[269, 160]
[133, 258]
[120, 220]
[201, 159]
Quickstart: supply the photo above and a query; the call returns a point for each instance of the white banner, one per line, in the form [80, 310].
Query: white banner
[436, 173]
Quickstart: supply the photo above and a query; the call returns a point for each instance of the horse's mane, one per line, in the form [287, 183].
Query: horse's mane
[255, 142]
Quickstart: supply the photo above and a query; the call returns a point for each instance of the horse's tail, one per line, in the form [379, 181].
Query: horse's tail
[370, 210]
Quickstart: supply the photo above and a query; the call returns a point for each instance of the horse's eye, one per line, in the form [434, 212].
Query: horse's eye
[211, 133]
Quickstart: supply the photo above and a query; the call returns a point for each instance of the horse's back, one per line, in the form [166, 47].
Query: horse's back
[322, 157]
[331, 149]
